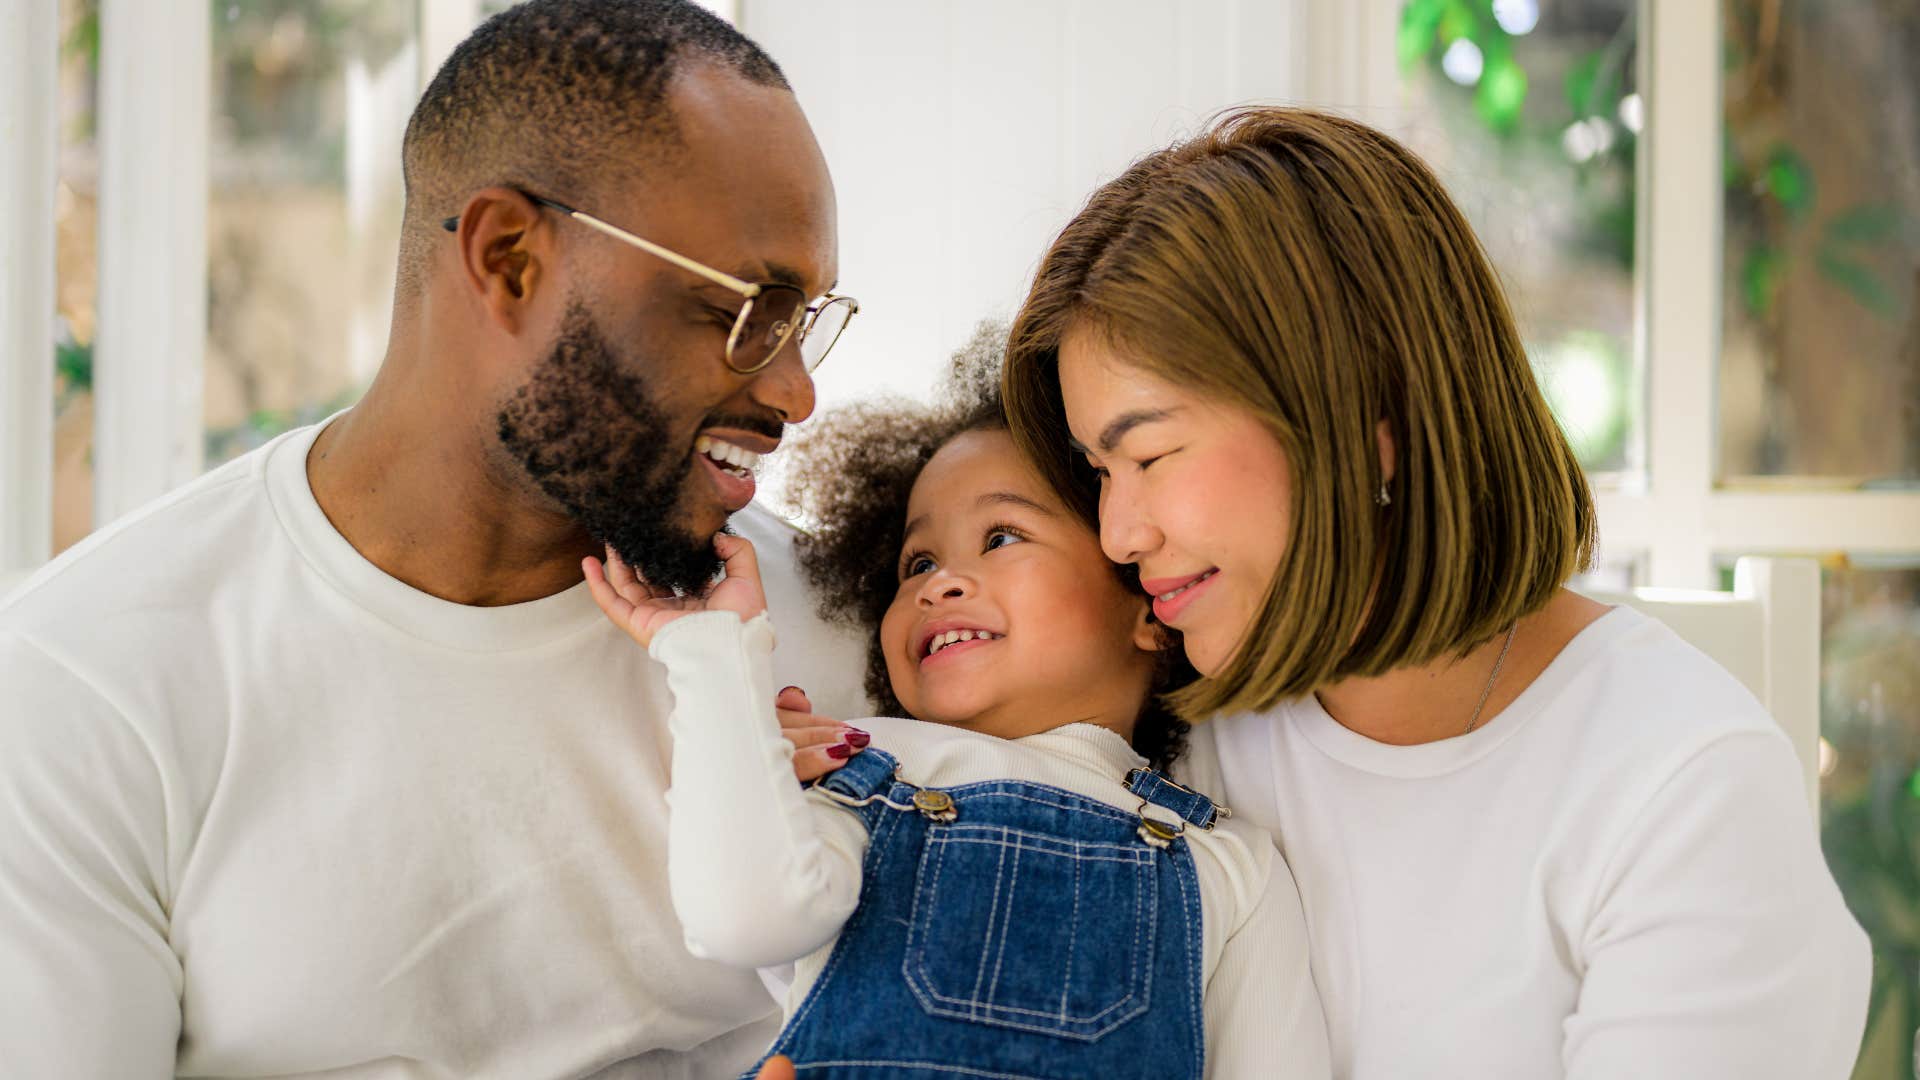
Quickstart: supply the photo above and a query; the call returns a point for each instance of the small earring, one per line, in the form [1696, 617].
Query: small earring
[1381, 498]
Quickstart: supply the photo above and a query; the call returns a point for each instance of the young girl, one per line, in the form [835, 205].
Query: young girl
[1001, 886]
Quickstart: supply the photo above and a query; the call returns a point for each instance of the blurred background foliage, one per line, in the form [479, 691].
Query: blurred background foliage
[1821, 181]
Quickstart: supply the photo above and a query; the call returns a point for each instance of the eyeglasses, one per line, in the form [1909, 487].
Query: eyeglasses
[772, 315]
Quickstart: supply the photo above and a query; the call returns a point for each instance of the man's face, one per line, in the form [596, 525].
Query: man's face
[628, 418]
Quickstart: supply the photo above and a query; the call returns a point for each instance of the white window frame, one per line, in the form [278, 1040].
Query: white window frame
[155, 88]
[29, 171]
[1677, 515]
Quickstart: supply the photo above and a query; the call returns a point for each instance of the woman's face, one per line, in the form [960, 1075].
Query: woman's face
[993, 557]
[1195, 491]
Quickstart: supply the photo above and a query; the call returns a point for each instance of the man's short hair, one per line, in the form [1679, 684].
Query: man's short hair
[564, 97]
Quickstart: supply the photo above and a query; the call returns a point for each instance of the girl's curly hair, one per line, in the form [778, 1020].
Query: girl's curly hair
[852, 473]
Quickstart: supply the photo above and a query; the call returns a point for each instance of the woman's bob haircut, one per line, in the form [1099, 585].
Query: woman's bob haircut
[1311, 270]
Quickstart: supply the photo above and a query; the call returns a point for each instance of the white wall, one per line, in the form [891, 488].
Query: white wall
[963, 136]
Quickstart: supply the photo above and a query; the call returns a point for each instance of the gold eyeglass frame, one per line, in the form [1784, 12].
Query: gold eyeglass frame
[749, 291]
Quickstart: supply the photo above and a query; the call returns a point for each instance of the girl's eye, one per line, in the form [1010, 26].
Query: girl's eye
[916, 566]
[1009, 536]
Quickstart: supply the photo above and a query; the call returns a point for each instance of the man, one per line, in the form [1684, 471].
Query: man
[326, 763]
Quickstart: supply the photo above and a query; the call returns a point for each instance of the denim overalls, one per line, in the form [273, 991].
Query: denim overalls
[1011, 930]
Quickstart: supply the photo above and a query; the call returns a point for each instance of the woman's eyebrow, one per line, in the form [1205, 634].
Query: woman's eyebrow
[1118, 427]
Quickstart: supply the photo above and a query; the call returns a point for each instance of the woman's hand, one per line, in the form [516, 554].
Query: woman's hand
[642, 609]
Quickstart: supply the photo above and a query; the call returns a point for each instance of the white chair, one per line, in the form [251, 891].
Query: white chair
[1766, 632]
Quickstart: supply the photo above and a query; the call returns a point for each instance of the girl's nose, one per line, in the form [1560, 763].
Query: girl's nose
[946, 585]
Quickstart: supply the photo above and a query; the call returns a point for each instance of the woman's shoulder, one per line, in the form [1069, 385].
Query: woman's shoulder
[1638, 681]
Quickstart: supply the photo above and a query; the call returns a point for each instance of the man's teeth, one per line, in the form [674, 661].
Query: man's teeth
[736, 460]
[1188, 585]
[941, 641]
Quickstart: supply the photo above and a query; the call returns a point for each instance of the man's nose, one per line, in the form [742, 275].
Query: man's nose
[785, 386]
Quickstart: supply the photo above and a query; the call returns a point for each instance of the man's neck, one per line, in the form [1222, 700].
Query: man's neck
[414, 490]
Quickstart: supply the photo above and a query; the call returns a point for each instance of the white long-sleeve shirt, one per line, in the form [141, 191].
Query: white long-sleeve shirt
[265, 811]
[1617, 876]
[763, 874]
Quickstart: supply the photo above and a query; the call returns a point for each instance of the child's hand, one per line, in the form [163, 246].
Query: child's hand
[642, 609]
[820, 745]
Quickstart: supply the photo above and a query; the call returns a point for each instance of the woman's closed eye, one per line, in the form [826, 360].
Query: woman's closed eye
[1142, 464]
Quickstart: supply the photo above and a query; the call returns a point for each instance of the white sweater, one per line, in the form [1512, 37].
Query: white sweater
[265, 811]
[1617, 876]
[764, 874]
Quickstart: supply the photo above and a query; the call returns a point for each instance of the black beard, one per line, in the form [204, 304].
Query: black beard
[590, 433]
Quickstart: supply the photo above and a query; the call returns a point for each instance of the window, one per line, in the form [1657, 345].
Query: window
[1781, 403]
[310, 100]
[1532, 114]
[75, 219]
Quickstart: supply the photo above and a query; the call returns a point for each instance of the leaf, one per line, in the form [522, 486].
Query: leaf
[1457, 22]
[1580, 79]
[1865, 224]
[1859, 280]
[1790, 179]
[1760, 279]
[1419, 23]
[84, 39]
[1502, 91]
[74, 363]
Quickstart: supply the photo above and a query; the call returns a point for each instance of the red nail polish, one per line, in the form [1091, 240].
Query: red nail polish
[856, 737]
[839, 751]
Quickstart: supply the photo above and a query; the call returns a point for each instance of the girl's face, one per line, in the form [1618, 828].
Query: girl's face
[991, 553]
[1197, 492]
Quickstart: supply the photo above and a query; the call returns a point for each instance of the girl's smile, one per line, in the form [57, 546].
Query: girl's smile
[1008, 619]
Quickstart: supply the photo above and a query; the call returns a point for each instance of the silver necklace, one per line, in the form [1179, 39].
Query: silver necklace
[1491, 679]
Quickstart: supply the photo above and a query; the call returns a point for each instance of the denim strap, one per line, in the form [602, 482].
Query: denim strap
[1196, 809]
[865, 774]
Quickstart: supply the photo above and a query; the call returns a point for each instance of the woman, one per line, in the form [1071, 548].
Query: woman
[1534, 836]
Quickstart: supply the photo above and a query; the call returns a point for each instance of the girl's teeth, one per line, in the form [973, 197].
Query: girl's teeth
[954, 637]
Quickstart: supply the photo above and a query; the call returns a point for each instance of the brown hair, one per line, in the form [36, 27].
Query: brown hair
[1311, 270]
[852, 473]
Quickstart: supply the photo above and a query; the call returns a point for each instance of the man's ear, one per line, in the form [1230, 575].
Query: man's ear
[504, 251]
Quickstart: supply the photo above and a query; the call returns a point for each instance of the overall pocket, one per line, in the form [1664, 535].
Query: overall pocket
[1030, 931]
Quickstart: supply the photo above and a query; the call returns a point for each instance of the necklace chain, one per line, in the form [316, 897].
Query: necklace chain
[1491, 679]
